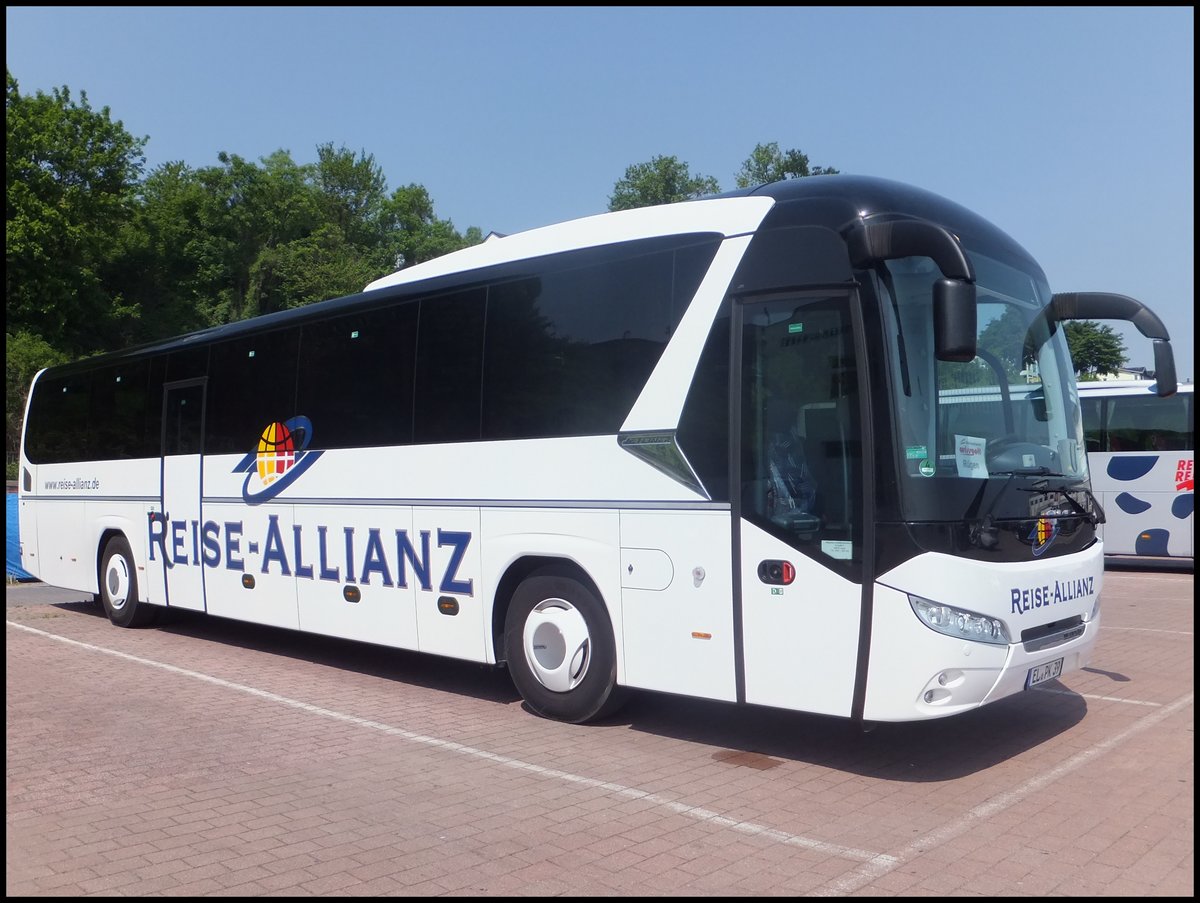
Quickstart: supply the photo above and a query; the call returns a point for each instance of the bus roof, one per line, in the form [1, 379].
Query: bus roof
[829, 201]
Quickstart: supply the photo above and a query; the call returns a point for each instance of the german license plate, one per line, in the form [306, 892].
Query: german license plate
[1043, 673]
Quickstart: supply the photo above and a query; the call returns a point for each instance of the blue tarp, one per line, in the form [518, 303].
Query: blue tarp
[12, 533]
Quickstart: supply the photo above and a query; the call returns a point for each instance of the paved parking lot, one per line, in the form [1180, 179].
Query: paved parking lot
[205, 757]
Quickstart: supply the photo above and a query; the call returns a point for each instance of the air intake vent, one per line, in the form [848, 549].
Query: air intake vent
[1053, 634]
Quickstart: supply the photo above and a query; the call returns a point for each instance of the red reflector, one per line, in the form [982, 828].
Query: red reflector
[789, 573]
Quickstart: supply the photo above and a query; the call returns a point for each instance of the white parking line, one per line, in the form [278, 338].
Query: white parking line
[874, 865]
[1150, 630]
[704, 815]
[1153, 705]
[870, 871]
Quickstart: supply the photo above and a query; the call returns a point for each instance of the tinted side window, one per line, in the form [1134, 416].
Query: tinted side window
[567, 352]
[183, 420]
[704, 427]
[157, 368]
[449, 367]
[252, 383]
[108, 414]
[1093, 424]
[58, 420]
[525, 365]
[356, 378]
[1149, 423]
[120, 421]
[801, 461]
[187, 363]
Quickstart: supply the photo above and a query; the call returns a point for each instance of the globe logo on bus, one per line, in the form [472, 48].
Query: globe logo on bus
[276, 453]
[1044, 532]
[280, 457]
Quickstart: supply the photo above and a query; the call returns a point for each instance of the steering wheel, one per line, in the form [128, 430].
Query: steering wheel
[996, 447]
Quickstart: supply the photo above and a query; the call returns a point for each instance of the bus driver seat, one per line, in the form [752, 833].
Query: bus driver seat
[792, 491]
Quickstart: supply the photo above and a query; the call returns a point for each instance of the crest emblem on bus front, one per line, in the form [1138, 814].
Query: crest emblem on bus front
[1044, 532]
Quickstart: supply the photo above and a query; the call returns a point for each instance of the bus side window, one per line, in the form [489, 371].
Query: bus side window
[1167, 439]
[1092, 432]
[1120, 442]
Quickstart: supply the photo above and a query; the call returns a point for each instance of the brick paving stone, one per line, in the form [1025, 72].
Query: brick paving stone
[128, 779]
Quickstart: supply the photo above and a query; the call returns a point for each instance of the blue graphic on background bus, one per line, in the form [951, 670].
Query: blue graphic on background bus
[1154, 540]
[1141, 453]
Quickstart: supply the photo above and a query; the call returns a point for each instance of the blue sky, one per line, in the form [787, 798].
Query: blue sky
[1070, 128]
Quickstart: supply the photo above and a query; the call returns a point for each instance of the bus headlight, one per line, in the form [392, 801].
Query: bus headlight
[959, 623]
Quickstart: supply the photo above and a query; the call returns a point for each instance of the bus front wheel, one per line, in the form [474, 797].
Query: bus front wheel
[118, 586]
[560, 650]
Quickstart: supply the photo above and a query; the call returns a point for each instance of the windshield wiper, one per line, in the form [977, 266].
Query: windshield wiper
[983, 531]
[1092, 513]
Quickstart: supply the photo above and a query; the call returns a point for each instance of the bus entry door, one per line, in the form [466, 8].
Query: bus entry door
[800, 530]
[176, 538]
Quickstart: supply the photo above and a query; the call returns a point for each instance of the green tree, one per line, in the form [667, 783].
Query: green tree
[1095, 348]
[98, 259]
[306, 252]
[257, 211]
[413, 232]
[664, 180]
[70, 178]
[354, 194]
[157, 268]
[318, 266]
[1006, 339]
[277, 235]
[767, 163]
[230, 230]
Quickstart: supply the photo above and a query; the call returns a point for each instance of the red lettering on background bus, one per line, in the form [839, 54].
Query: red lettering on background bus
[1184, 479]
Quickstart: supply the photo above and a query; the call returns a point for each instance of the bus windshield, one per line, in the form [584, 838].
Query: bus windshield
[1012, 412]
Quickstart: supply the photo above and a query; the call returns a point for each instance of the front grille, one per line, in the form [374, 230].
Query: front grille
[1055, 633]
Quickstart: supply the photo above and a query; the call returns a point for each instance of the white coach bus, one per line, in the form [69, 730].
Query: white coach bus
[692, 448]
[1141, 450]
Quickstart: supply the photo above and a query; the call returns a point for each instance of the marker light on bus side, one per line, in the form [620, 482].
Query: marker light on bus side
[959, 623]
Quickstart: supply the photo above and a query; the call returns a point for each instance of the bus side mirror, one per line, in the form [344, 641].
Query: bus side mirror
[954, 320]
[1164, 368]
[1110, 306]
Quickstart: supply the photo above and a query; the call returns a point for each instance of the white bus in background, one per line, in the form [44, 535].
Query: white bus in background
[1141, 450]
[694, 448]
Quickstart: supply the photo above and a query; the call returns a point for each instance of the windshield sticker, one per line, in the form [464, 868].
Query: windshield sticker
[916, 452]
[927, 468]
[968, 453]
[838, 548]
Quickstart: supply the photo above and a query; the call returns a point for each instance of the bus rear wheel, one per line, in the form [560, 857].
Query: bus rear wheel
[560, 650]
[118, 586]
